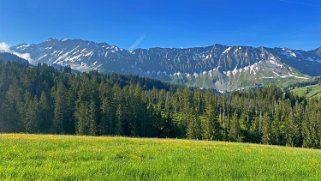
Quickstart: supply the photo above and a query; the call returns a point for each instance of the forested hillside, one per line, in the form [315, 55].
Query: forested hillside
[42, 99]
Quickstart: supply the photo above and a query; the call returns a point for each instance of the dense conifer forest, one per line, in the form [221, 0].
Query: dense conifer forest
[43, 99]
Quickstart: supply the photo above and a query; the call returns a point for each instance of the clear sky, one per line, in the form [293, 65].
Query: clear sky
[165, 23]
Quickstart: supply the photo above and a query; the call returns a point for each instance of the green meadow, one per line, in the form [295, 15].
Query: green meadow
[49, 157]
[312, 91]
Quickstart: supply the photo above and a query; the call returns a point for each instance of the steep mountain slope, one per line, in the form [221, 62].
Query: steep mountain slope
[224, 68]
[9, 57]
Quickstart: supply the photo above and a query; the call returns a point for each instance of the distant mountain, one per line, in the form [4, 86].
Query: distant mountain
[9, 57]
[317, 52]
[225, 68]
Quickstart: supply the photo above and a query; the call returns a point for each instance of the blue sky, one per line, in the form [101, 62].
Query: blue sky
[165, 23]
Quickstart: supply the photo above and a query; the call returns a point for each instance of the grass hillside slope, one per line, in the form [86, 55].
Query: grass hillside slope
[47, 157]
[311, 91]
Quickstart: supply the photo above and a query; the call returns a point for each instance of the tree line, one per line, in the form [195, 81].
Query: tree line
[42, 99]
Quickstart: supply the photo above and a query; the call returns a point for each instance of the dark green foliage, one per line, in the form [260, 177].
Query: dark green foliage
[42, 99]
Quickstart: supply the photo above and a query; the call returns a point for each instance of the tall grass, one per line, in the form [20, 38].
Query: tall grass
[46, 157]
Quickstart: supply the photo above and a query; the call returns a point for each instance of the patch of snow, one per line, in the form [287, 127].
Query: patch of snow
[236, 50]
[235, 71]
[195, 74]
[43, 56]
[252, 67]
[227, 50]
[229, 73]
[89, 54]
[62, 57]
[289, 53]
[74, 49]
[177, 74]
[75, 52]
[74, 58]
[220, 91]
[276, 73]
[272, 61]
[60, 53]
[23, 47]
[48, 48]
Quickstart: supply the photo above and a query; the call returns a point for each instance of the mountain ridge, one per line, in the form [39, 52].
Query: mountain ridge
[159, 47]
[222, 67]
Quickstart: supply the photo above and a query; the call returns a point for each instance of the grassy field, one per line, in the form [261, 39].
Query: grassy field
[46, 157]
[312, 91]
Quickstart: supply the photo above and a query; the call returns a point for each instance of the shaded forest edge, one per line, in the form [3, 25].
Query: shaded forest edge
[42, 99]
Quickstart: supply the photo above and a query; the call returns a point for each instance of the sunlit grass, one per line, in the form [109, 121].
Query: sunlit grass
[312, 91]
[47, 157]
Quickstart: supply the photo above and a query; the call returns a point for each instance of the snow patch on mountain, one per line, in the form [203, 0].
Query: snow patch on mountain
[227, 50]
[23, 46]
[289, 53]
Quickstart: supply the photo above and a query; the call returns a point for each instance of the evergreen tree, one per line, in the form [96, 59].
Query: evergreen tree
[234, 130]
[291, 130]
[45, 113]
[59, 95]
[266, 129]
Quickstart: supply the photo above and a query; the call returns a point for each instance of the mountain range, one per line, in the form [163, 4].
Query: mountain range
[220, 67]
